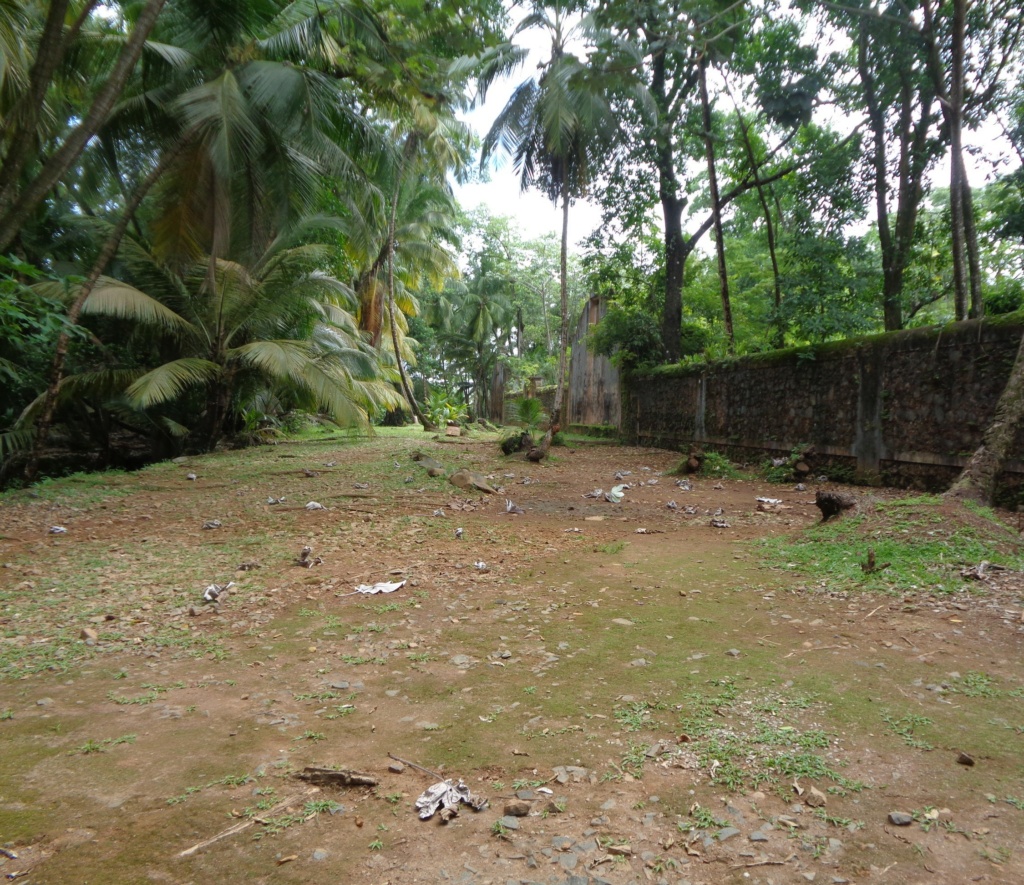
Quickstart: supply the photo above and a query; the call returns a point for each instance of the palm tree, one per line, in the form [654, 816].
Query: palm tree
[221, 336]
[551, 127]
[240, 112]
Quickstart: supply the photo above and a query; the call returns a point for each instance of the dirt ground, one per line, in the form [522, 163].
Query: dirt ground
[638, 695]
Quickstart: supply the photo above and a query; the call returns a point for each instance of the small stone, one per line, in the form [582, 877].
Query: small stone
[622, 622]
[638, 662]
[396, 768]
[961, 759]
[319, 854]
[90, 635]
[509, 822]
[900, 819]
[517, 808]
[726, 833]
[733, 652]
[44, 702]
[758, 836]
[553, 807]
[568, 861]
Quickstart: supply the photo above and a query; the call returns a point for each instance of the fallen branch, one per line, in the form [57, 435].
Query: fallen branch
[245, 824]
[433, 774]
[759, 863]
[330, 777]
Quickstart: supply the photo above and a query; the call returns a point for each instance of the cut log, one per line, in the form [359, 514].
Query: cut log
[330, 777]
[833, 503]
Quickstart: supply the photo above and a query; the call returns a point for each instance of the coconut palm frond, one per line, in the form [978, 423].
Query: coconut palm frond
[168, 381]
[14, 441]
[113, 298]
[276, 359]
[175, 56]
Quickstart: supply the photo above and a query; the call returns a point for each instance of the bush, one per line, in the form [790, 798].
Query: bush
[443, 408]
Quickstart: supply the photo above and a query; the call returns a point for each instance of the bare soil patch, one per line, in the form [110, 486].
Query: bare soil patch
[641, 696]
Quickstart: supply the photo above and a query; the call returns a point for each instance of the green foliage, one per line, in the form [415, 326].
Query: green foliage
[444, 408]
[629, 337]
[30, 321]
[717, 465]
[528, 411]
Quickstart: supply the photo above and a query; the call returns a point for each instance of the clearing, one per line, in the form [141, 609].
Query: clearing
[641, 696]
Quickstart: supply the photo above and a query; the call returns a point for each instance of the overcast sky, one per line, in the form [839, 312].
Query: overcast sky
[536, 215]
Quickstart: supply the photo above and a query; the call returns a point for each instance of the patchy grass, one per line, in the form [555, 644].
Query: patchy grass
[919, 544]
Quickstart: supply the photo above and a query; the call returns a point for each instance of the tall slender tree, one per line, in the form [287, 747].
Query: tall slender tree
[551, 127]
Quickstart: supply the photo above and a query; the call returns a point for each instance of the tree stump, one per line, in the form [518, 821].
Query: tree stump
[833, 504]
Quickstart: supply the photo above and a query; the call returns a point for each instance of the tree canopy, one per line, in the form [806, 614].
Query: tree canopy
[215, 215]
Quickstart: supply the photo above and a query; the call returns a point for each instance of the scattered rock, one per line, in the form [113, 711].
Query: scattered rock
[517, 808]
[726, 833]
[90, 635]
[900, 819]
[815, 798]
[470, 479]
[961, 759]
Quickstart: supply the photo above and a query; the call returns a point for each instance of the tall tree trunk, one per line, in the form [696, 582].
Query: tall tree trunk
[716, 208]
[106, 254]
[977, 308]
[17, 211]
[779, 337]
[563, 330]
[977, 482]
[958, 171]
[675, 244]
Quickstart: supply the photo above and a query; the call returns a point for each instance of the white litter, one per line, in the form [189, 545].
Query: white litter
[58, 530]
[315, 505]
[380, 587]
[616, 495]
[447, 796]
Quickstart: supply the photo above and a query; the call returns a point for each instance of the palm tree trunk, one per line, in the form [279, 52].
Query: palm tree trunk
[109, 250]
[406, 387]
[563, 333]
[17, 211]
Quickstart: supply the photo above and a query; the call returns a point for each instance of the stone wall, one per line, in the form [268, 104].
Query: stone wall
[904, 408]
